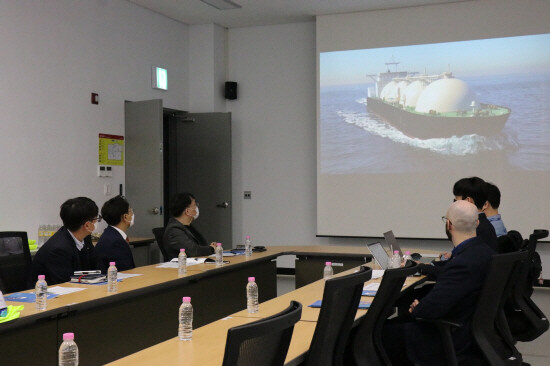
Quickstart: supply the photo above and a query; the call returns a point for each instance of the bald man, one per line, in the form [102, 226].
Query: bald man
[453, 297]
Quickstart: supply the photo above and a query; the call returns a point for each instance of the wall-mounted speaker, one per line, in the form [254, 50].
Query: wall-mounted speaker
[230, 90]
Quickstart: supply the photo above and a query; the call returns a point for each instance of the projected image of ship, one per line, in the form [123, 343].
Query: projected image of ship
[432, 106]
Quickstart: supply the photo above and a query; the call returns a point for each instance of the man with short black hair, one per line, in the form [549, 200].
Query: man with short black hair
[180, 233]
[113, 245]
[493, 203]
[70, 248]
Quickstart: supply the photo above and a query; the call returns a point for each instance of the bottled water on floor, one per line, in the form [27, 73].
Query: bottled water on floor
[248, 247]
[219, 254]
[112, 284]
[68, 352]
[41, 292]
[252, 295]
[328, 272]
[185, 330]
[182, 262]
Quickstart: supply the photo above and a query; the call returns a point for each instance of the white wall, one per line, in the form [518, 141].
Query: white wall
[54, 54]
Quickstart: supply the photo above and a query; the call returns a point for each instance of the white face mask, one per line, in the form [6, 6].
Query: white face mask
[91, 231]
[197, 214]
[132, 220]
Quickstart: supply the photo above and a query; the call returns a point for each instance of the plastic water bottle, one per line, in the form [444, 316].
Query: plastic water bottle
[41, 292]
[407, 256]
[328, 271]
[68, 352]
[252, 295]
[182, 262]
[185, 330]
[219, 254]
[112, 284]
[247, 247]
[396, 259]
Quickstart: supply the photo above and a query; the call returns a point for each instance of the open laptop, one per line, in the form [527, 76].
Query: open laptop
[379, 254]
[392, 244]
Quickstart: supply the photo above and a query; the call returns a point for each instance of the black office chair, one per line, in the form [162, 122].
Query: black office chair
[489, 334]
[341, 298]
[158, 232]
[264, 342]
[526, 321]
[366, 346]
[15, 261]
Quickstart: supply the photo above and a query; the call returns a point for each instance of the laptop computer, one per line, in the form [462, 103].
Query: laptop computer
[379, 254]
[392, 244]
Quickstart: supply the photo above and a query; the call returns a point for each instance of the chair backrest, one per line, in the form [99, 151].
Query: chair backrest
[367, 347]
[491, 342]
[264, 342]
[15, 261]
[158, 232]
[341, 298]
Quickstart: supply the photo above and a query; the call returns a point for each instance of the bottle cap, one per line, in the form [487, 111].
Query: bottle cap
[408, 252]
[112, 263]
[396, 252]
[219, 244]
[186, 299]
[68, 336]
[182, 250]
[328, 263]
[251, 279]
[41, 277]
[248, 236]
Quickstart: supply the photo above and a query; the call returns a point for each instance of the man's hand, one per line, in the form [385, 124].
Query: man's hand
[413, 305]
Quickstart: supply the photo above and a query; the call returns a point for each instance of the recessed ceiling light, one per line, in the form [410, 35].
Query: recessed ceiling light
[222, 4]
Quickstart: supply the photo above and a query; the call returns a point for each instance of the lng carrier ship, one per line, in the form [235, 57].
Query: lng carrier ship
[432, 106]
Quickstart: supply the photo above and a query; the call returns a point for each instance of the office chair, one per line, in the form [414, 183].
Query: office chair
[158, 232]
[489, 332]
[341, 298]
[263, 342]
[366, 346]
[15, 261]
[526, 321]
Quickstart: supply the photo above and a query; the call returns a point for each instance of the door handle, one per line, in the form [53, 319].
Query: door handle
[223, 204]
[155, 210]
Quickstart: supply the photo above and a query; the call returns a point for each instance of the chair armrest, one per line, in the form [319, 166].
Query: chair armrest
[440, 322]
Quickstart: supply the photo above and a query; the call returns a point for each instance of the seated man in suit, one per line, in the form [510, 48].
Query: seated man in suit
[453, 297]
[70, 248]
[179, 232]
[113, 245]
[493, 202]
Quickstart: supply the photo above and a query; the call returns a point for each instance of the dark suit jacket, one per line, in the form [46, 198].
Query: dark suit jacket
[112, 247]
[177, 236]
[58, 258]
[454, 296]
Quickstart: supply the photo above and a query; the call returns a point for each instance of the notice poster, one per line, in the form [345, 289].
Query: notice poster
[111, 149]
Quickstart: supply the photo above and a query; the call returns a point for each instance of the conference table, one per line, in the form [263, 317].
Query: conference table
[143, 312]
[208, 344]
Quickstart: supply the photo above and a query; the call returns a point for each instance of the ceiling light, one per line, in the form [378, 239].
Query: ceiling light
[222, 4]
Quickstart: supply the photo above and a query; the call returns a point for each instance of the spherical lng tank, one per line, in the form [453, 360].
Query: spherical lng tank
[445, 95]
[412, 92]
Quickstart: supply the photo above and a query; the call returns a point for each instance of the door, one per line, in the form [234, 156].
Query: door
[144, 164]
[199, 162]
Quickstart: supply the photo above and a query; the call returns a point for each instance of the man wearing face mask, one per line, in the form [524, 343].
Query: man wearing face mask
[179, 232]
[113, 243]
[70, 248]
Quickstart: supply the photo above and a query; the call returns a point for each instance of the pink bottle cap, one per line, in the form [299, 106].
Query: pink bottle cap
[328, 263]
[186, 299]
[182, 250]
[407, 252]
[41, 277]
[396, 252]
[248, 236]
[219, 244]
[68, 336]
[251, 279]
[111, 263]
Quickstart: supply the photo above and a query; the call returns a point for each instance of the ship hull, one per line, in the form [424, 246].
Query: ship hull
[433, 126]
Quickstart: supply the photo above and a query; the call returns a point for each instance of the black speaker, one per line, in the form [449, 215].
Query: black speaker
[230, 90]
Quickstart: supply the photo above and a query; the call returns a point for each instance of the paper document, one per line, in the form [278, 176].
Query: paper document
[121, 276]
[174, 262]
[58, 290]
[370, 289]
[377, 273]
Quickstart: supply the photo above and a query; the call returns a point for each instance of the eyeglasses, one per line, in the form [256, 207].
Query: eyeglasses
[98, 218]
[445, 219]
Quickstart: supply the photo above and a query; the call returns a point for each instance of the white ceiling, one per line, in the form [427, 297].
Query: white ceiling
[265, 12]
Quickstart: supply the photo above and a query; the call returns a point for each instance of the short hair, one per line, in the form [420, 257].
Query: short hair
[180, 202]
[493, 195]
[473, 187]
[75, 212]
[113, 210]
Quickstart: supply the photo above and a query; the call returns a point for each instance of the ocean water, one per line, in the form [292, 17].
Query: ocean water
[353, 140]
